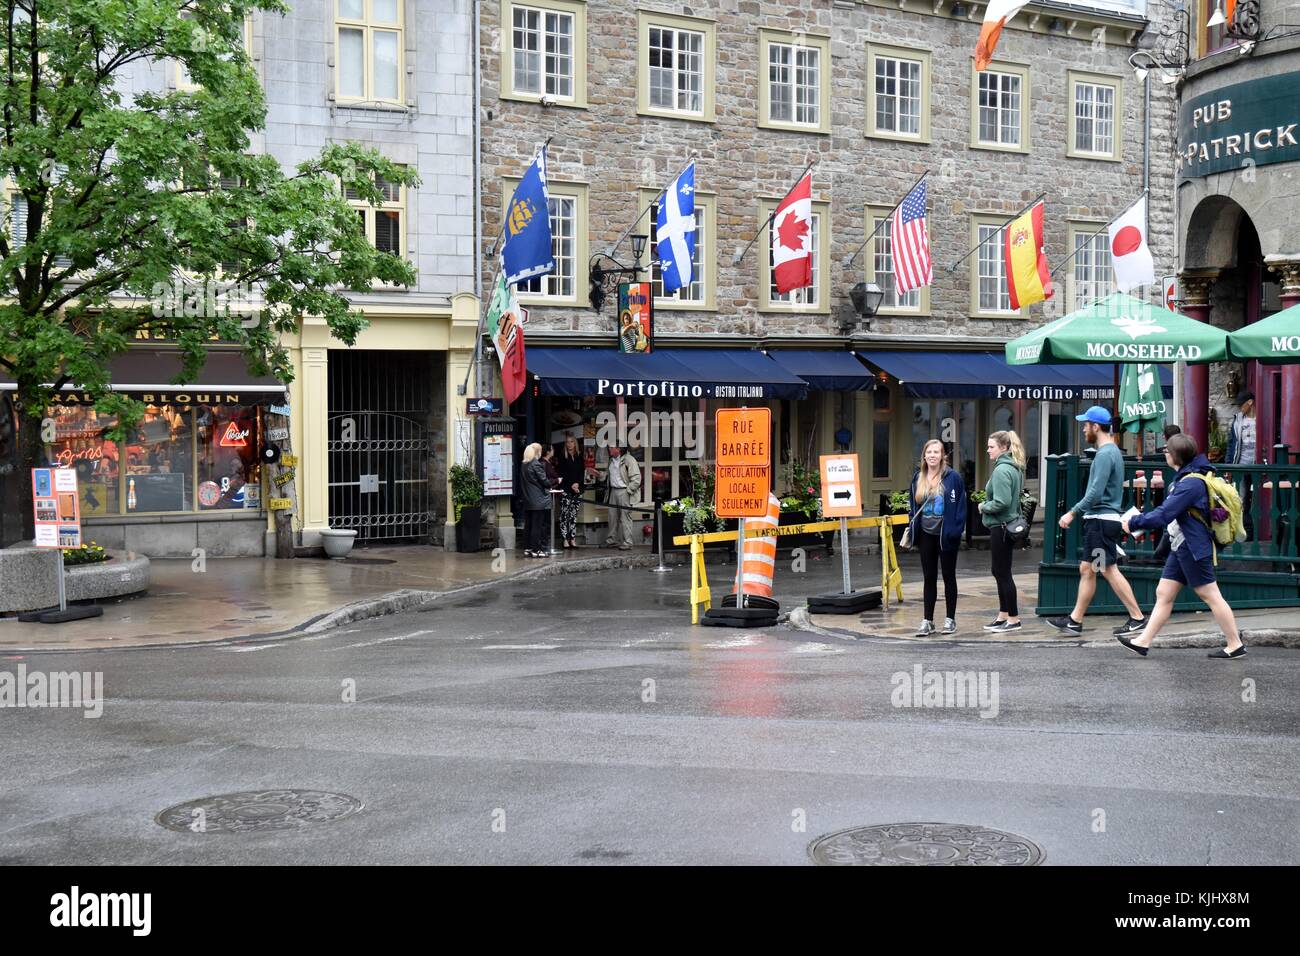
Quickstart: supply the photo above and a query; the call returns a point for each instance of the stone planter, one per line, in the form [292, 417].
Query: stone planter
[338, 541]
[29, 578]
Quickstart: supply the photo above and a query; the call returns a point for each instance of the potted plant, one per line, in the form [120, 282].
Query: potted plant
[1218, 443]
[898, 504]
[693, 513]
[467, 496]
[974, 520]
[802, 504]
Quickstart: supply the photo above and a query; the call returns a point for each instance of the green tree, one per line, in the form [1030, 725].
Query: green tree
[124, 192]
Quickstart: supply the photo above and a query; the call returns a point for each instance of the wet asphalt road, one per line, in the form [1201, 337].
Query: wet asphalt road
[512, 726]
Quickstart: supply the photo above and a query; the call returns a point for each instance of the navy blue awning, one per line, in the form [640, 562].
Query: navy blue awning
[829, 371]
[664, 373]
[987, 375]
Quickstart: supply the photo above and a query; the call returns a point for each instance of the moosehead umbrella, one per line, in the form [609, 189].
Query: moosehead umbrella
[1274, 341]
[1120, 328]
[1141, 399]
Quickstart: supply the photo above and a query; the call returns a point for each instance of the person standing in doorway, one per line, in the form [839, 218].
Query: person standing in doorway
[1102, 529]
[1186, 514]
[1001, 504]
[570, 466]
[938, 497]
[537, 502]
[624, 488]
[1242, 450]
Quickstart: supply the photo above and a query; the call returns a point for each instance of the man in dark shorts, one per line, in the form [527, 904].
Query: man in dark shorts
[1102, 530]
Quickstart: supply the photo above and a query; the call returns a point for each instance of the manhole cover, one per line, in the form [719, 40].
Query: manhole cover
[924, 844]
[257, 810]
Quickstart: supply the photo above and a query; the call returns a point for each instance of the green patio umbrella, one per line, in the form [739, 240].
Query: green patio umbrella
[1275, 340]
[1120, 328]
[1141, 399]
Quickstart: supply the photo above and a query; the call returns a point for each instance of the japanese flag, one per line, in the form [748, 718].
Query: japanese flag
[1129, 253]
[792, 248]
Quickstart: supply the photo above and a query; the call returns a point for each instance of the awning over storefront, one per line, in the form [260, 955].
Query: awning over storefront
[665, 373]
[826, 370]
[987, 375]
[147, 373]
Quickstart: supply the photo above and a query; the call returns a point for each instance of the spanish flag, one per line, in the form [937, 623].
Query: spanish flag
[1028, 279]
[996, 15]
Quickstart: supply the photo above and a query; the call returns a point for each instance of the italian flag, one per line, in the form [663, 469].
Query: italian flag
[996, 15]
[1028, 279]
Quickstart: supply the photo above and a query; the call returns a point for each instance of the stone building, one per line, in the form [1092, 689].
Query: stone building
[1238, 162]
[371, 424]
[877, 93]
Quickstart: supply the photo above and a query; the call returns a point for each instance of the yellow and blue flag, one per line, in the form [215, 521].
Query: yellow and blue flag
[527, 251]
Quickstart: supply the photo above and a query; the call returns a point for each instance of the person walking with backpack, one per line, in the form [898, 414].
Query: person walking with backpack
[1102, 532]
[1002, 504]
[1187, 511]
[938, 510]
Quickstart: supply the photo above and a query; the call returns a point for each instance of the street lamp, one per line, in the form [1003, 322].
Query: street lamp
[1217, 16]
[866, 297]
[604, 278]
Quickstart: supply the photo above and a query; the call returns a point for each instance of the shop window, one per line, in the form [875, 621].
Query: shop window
[369, 52]
[227, 470]
[544, 51]
[881, 431]
[80, 444]
[160, 461]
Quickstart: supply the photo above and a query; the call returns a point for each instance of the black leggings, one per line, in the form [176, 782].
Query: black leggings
[1001, 548]
[932, 556]
[537, 530]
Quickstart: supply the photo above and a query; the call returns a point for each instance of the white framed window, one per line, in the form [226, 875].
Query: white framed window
[813, 298]
[385, 226]
[568, 212]
[699, 294]
[16, 210]
[543, 51]
[1000, 108]
[1095, 102]
[898, 93]
[795, 82]
[368, 50]
[676, 59]
[879, 256]
[1091, 277]
[989, 293]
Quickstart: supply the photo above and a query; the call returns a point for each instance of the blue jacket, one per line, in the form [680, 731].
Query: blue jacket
[954, 509]
[1181, 496]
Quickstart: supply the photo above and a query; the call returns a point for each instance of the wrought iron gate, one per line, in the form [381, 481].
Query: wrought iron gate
[380, 444]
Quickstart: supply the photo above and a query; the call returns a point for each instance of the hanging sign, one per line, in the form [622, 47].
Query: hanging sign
[743, 462]
[636, 322]
[280, 504]
[841, 487]
[57, 508]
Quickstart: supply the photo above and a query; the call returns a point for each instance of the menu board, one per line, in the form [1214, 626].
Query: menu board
[57, 508]
[497, 453]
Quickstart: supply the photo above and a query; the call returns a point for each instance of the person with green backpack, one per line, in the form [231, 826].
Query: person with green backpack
[1198, 510]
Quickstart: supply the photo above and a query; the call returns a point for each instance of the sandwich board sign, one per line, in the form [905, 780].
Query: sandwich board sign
[841, 486]
[743, 462]
[57, 508]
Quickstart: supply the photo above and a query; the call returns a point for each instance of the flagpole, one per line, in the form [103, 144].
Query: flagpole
[979, 245]
[1079, 249]
[849, 261]
[735, 260]
[613, 248]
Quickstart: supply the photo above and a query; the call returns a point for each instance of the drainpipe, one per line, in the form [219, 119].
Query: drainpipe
[478, 190]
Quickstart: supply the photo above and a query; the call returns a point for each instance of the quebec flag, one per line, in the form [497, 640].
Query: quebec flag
[675, 231]
[527, 251]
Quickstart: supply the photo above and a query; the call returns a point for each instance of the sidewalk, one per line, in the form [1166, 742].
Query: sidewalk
[263, 597]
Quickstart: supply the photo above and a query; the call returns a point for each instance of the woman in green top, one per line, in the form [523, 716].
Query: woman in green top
[1002, 503]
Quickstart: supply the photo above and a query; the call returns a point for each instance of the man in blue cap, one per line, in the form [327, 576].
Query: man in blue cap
[1102, 528]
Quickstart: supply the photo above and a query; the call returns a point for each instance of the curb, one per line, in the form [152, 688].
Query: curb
[392, 603]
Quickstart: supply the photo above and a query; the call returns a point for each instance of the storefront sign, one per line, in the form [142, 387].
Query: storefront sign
[284, 477]
[1238, 126]
[234, 436]
[1052, 393]
[743, 462]
[636, 322]
[277, 434]
[69, 397]
[641, 389]
[56, 507]
[280, 504]
[484, 406]
[841, 488]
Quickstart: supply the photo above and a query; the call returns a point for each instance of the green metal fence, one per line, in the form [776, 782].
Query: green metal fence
[1263, 571]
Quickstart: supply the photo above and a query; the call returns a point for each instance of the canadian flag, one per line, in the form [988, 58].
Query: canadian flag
[1129, 253]
[792, 248]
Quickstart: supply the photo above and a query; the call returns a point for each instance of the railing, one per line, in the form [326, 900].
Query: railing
[1262, 571]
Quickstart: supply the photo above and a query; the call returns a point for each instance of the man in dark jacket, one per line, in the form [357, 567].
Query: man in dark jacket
[1186, 512]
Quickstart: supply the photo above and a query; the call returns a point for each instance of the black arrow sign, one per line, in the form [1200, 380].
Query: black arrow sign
[846, 495]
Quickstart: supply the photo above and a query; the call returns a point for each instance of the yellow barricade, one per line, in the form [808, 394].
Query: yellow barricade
[891, 575]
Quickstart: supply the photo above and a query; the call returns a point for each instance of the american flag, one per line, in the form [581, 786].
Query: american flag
[910, 244]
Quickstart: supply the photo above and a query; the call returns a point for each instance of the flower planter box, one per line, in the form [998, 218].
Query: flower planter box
[674, 525]
[812, 539]
[468, 529]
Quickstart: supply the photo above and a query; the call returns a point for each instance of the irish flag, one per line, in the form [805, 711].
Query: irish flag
[996, 15]
[1028, 279]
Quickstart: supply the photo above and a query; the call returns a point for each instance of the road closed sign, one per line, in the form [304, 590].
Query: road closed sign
[841, 489]
[743, 462]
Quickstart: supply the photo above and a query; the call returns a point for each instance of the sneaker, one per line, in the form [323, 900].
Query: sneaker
[1067, 624]
[995, 624]
[1007, 625]
[949, 626]
[1136, 649]
[1134, 625]
[926, 629]
[1223, 654]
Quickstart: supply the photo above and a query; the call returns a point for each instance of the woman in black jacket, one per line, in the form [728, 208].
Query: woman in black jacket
[537, 502]
[569, 463]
